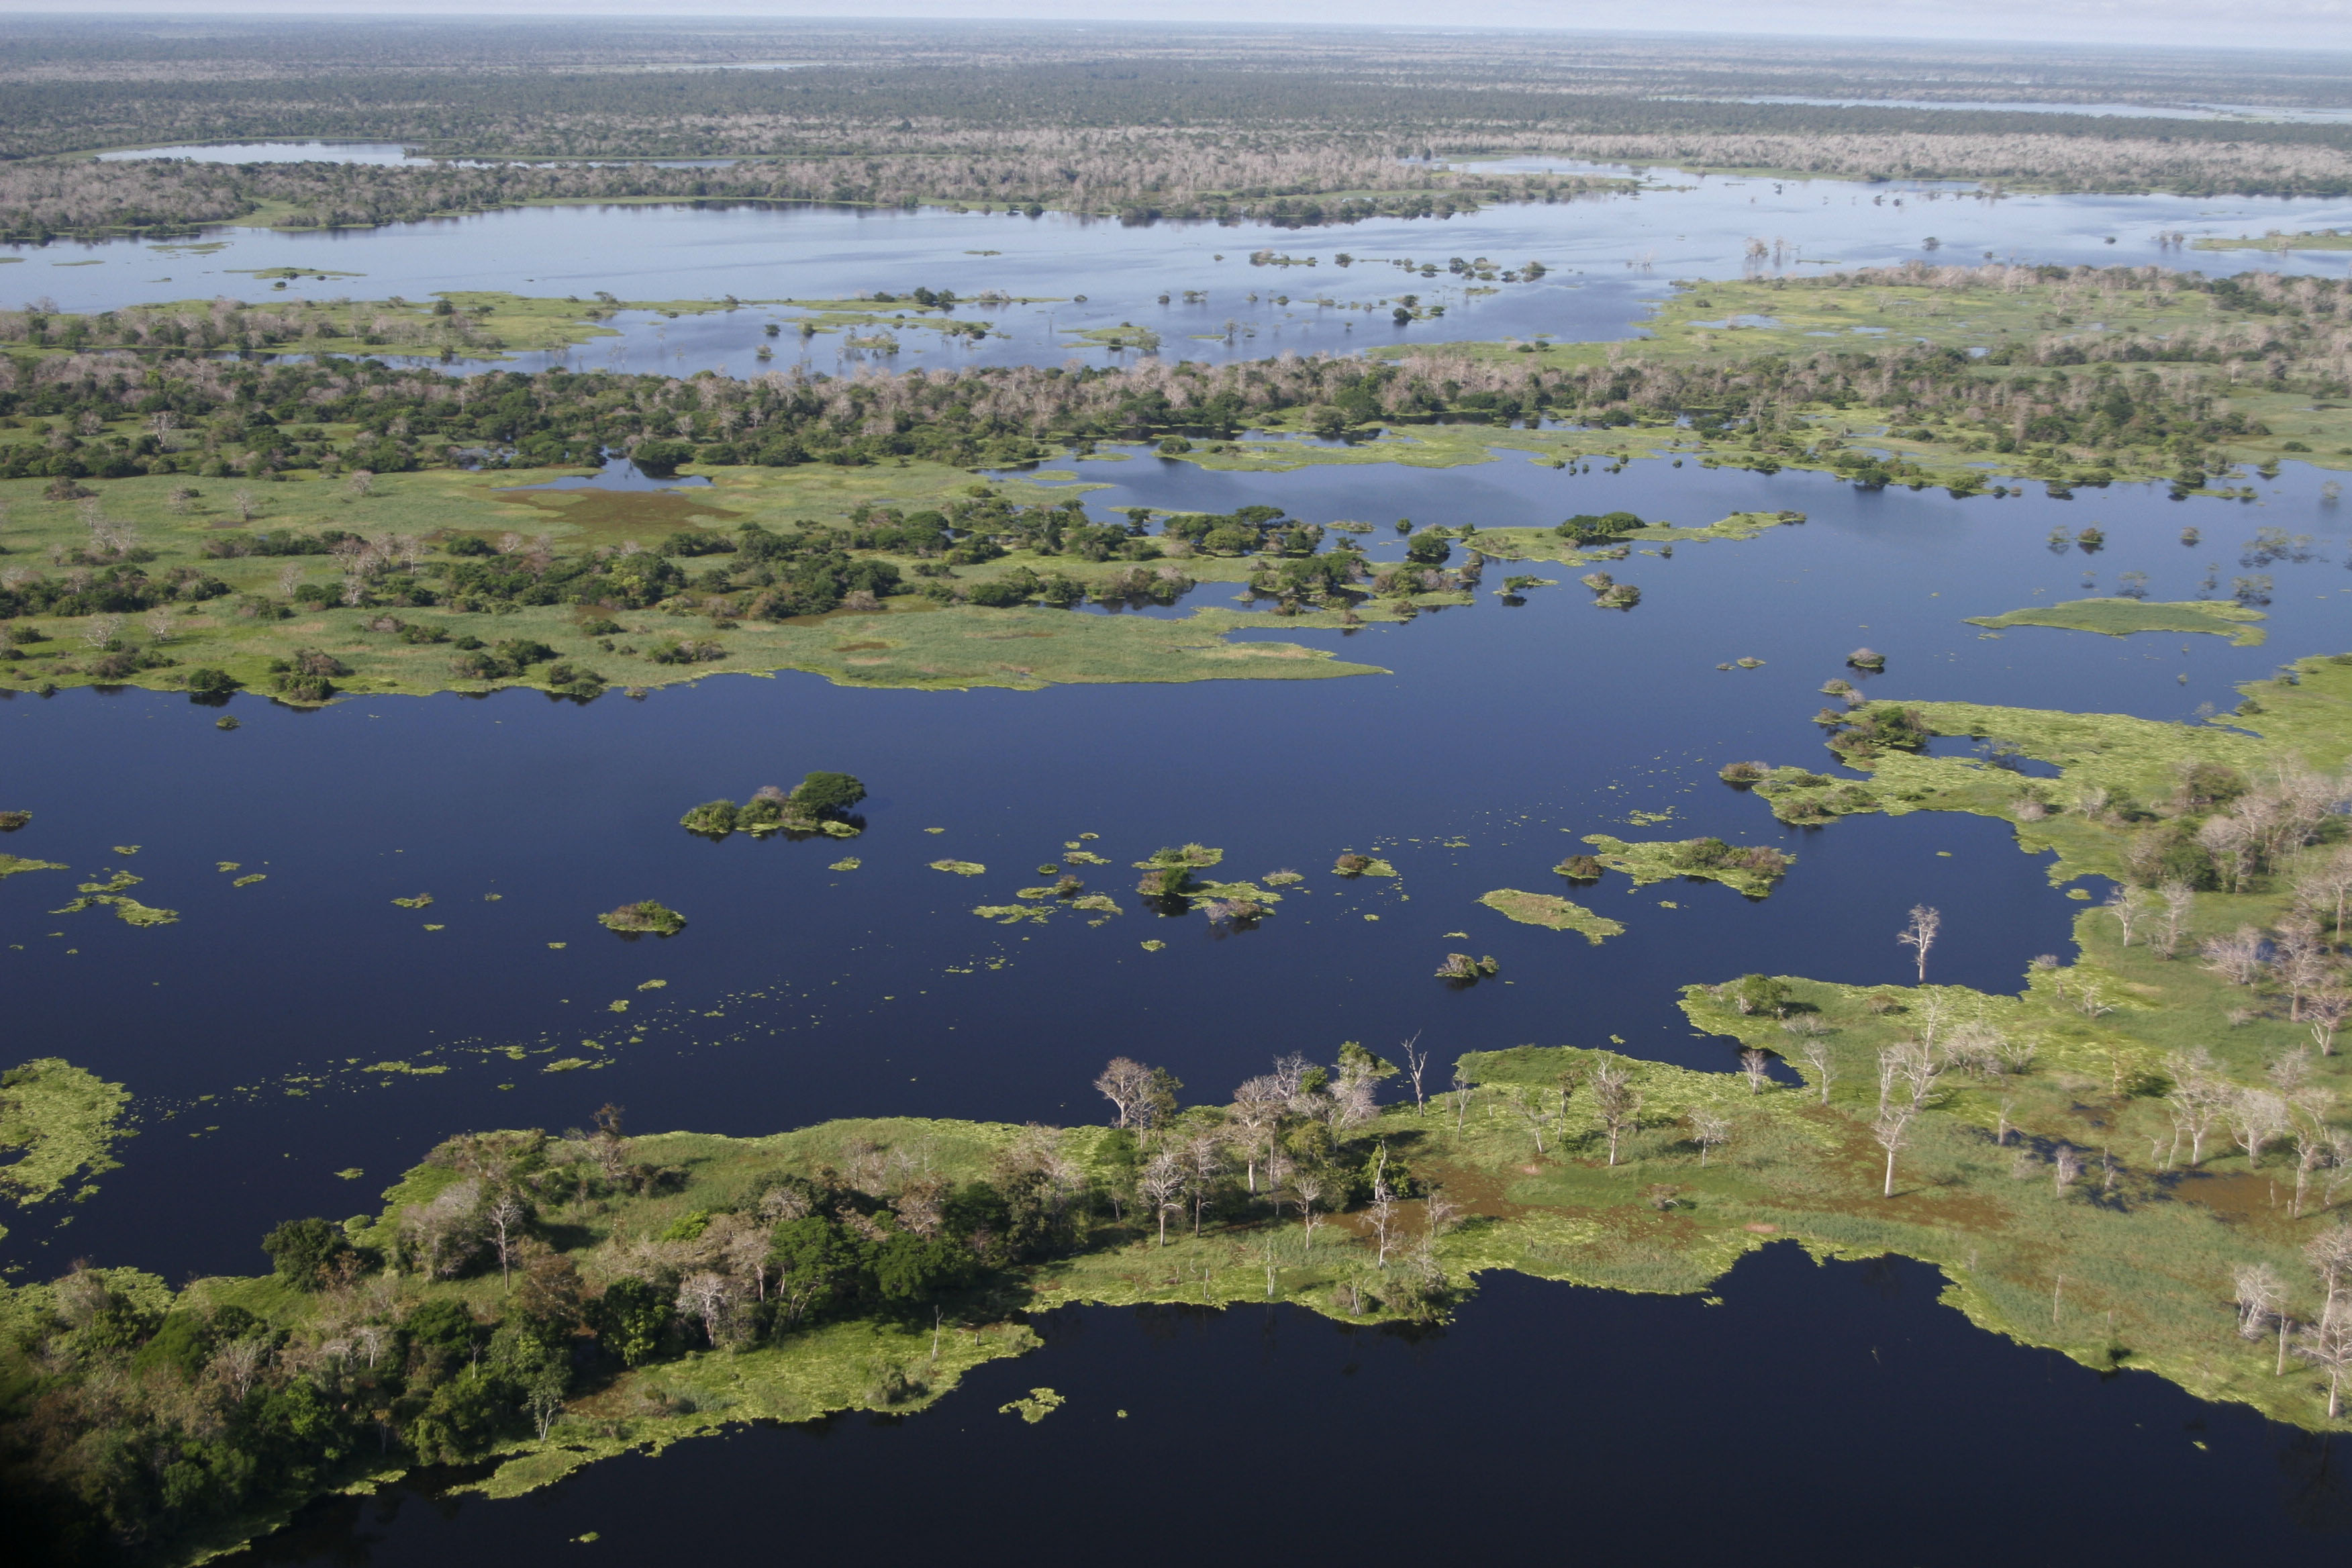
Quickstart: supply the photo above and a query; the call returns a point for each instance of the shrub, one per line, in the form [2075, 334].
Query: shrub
[1756, 994]
[302, 1249]
[826, 794]
[661, 456]
[1866, 658]
[1740, 775]
[634, 920]
[1579, 869]
[714, 819]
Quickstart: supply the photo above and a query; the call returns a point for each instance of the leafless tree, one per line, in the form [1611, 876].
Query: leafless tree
[1128, 1085]
[2255, 1117]
[101, 630]
[1163, 1185]
[1759, 1069]
[1919, 934]
[1620, 1105]
[1416, 1062]
[1256, 1116]
[2258, 1291]
[2124, 905]
[706, 1294]
[2179, 898]
[1383, 1211]
[1204, 1160]
[2325, 1011]
[1816, 1054]
[1892, 1131]
[1461, 1104]
[361, 481]
[1308, 1188]
[1533, 1107]
[238, 1363]
[2065, 1167]
[2237, 958]
[248, 505]
[1707, 1130]
[2327, 1344]
[506, 1215]
[2199, 1099]
[2330, 1252]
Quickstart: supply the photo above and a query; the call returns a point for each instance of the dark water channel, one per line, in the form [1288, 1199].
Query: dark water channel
[1498, 735]
[1835, 1414]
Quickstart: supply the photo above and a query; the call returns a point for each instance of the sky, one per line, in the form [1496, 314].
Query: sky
[2273, 24]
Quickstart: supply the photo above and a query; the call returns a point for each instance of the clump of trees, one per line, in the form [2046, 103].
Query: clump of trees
[820, 802]
[637, 920]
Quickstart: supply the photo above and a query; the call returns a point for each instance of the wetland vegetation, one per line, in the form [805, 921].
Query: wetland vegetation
[2137, 1157]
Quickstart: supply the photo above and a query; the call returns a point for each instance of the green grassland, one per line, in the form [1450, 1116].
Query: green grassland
[2121, 617]
[913, 643]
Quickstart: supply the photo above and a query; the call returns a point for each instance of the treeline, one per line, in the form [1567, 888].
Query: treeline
[1137, 177]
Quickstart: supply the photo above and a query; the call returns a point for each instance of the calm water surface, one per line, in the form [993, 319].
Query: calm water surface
[1610, 257]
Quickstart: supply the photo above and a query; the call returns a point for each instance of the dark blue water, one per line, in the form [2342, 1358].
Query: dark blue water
[1831, 1414]
[1499, 737]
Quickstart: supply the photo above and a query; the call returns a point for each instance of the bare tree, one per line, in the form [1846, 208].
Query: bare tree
[2258, 1290]
[1308, 1188]
[2314, 1138]
[2325, 1011]
[1891, 1131]
[1707, 1130]
[2065, 1167]
[1461, 1104]
[2330, 1252]
[2178, 897]
[1759, 1069]
[2327, 1344]
[248, 505]
[1163, 1185]
[1816, 1054]
[1383, 1212]
[1204, 1160]
[1257, 1115]
[101, 630]
[706, 1294]
[506, 1215]
[1532, 1109]
[1619, 1104]
[1416, 1062]
[2237, 958]
[239, 1362]
[1919, 934]
[1128, 1085]
[2255, 1117]
[2199, 1099]
[2124, 905]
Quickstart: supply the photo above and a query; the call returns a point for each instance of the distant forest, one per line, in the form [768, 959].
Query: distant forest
[1221, 123]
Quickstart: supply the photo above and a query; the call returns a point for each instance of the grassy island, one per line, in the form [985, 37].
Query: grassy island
[1553, 914]
[1752, 870]
[2121, 617]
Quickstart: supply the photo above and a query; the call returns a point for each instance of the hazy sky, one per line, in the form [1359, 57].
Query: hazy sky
[2294, 24]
